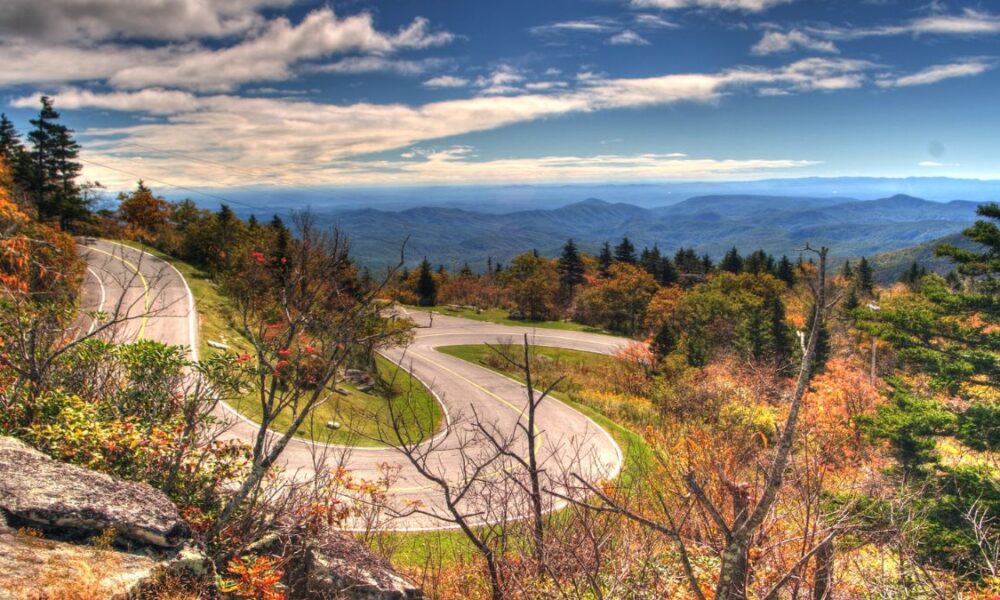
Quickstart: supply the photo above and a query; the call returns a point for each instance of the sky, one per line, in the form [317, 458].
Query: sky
[298, 93]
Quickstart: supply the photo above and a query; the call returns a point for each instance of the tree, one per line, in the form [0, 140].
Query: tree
[732, 261]
[570, 268]
[625, 252]
[620, 301]
[53, 171]
[740, 532]
[786, 271]
[11, 148]
[426, 285]
[532, 282]
[650, 260]
[604, 260]
[144, 213]
[759, 262]
[847, 272]
[866, 277]
[667, 273]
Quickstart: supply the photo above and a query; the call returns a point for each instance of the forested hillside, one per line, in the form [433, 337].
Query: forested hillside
[712, 224]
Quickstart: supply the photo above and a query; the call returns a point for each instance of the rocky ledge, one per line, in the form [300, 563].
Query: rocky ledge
[38, 491]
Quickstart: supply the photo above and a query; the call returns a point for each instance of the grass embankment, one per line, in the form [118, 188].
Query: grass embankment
[500, 317]
[361, 413]
[415, 549]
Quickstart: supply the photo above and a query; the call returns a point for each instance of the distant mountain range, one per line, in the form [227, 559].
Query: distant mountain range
[711, 224]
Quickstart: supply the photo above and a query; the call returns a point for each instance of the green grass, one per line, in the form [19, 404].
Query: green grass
[362, 411]
[452, 545]
[499, 316]
[637, 455]
[362, 414]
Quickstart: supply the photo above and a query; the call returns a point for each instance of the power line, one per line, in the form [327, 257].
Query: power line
[173, 185]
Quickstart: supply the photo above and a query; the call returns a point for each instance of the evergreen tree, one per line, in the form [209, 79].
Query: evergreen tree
[280, 250]
[848, 271]
[732, 261]
[759, 262]
[51, 167]
[786, 271]
[604, 260]
[466, 272]
[625, 252]
[866, 277]
[667, 273]
[252, 223]
[11, 148]
[822, 343]
[570, 267]
[851, 302]
[652, 261]
[706, 264]
[781, 336]
[664, 342]
[913, 275]
[426, 285]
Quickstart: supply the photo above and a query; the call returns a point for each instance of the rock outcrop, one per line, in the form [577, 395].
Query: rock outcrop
[337, 566]
[40, 492]
[34, 567]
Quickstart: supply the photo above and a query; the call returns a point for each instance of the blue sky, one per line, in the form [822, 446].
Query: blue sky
[297, 93]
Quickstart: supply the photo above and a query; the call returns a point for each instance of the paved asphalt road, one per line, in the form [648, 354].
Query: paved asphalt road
[160, 307]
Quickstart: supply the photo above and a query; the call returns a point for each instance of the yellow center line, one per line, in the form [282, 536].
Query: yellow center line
[145, 286]
[520, 413]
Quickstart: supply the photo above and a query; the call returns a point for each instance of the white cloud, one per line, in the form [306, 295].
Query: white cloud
[590, 25]
[378, 64]
[969, 22]
[79, 20]
[290, 141]
[628, 38]
[735, 5]
[652, 21]
[545, 85]
[776, 41]
[502, 80]
[269, 54]
[446, 81]
[937, 73]
[933, 164]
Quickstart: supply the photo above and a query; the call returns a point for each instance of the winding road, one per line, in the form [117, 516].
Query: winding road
[160, 307]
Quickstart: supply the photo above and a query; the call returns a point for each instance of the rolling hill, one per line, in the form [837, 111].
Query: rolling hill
[711, 224]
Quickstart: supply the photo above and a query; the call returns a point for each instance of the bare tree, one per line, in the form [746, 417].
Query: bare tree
[748, 516]
[304, 327]
[528, 458]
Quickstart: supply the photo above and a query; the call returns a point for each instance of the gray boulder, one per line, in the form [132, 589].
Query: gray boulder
[38, 491]
[337, 566]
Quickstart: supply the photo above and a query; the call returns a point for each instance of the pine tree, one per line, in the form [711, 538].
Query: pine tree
[667, 273]
[604, 260]
[786, 271]
[866, 277]
[625, 252]
[11, 148]
[706, 263]
[570, 268]
[732, 261]
[651, 261]
[851, 302]
[664, 342]
[781, 335]
[51, 167]
[466, 272]
[913, 275]
[822, 343]
[848, 271]
[426, 285]
[759, 262]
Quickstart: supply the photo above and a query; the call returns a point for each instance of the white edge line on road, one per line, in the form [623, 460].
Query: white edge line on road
[104, 295]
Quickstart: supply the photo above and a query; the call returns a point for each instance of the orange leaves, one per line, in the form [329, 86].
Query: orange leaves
[831, 409]
[258, 578]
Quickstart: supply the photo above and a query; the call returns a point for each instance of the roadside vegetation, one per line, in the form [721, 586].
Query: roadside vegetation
[804, 431]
